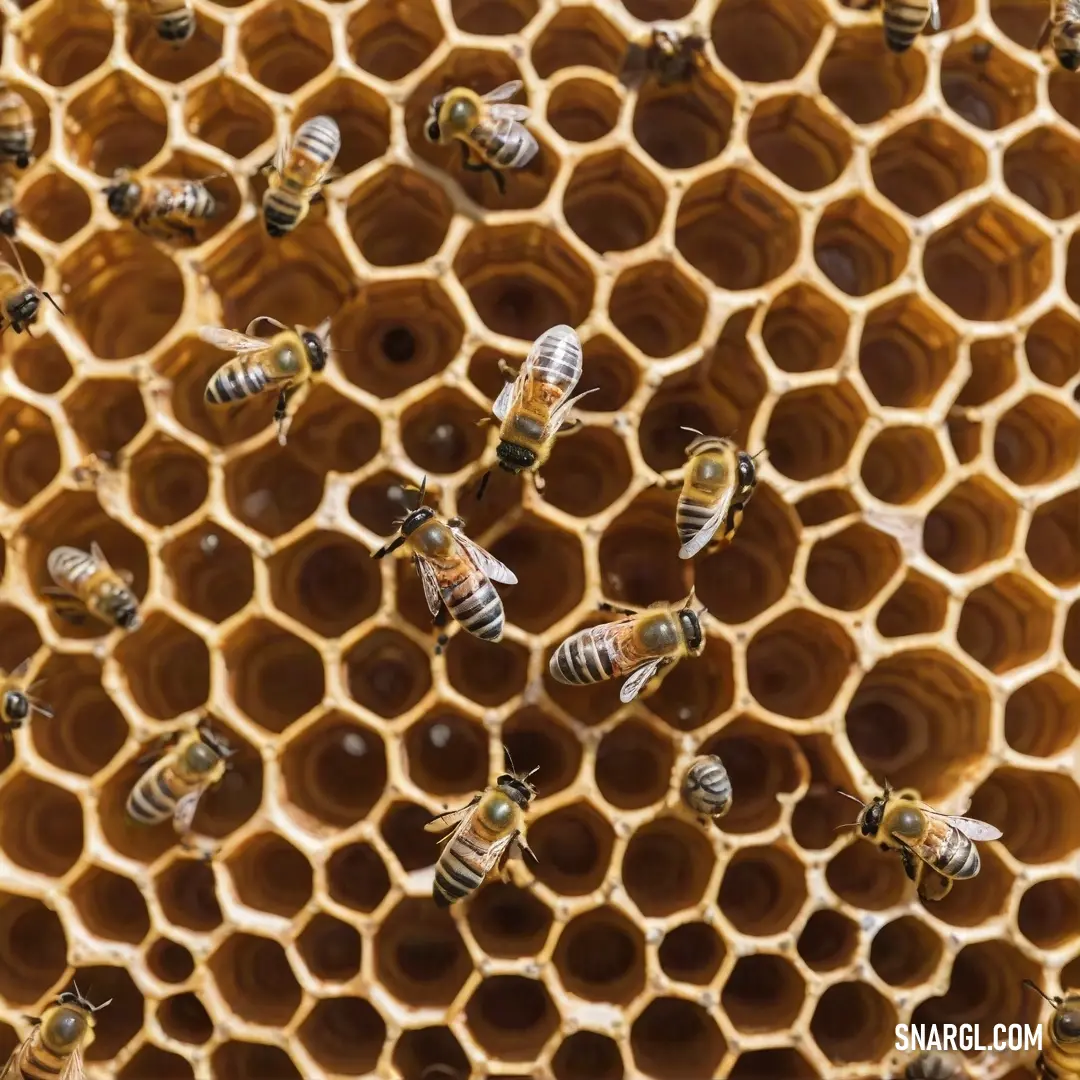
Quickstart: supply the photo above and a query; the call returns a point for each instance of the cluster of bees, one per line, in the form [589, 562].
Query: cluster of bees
[532, 410]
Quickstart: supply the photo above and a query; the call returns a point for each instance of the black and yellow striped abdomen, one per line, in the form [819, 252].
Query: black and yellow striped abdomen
[585, 657]
[17, 129]
[153, 799]
[474, 604]
[35, 1061]
[904, 21]
[706, 788]
[240, 378]
[474, 848]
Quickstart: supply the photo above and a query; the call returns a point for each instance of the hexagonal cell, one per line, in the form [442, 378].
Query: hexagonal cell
[19, 637]
[825, 506]
[600, 956]
[691, 953]
[1020, 20]
[532, 735]
[106, 414]
[587, 1055]
[972, 525]
[1072, 636]
[246, 1059]
[117, 123]
[676, 1039]
[447, 753]
[493, 18]
[862, 877]
[578, 37]
[41, 826]
[828, 940]
[660, 311]
[1037, 440]
[108, 277]
[390, 38]
[666, 866]
[736, 231]
[613, 203]
[163, 60]
[255, 979]
[858, 248]
[1040, 168]
[29, 454]
[973, 907]
[633, 765]
[331, 949]
[853, 1022]
[344, 1035]
[511, 1017]
[776, 1064]
[1049, 912]
[762, 890]
[905, 952]
[388, 674]
[56, 206]
[988, 92]
[1006, 623]
[41, 365]
[812, 431]
[797, 142]
[33, 948]
[866, 81]
[399, 216]
[362, 116]
[61, 48]
[269, 874]
[1052, 347]
[226, 114]
[400, 334]
[441, 433]
[694, 693]
[274, 677]
[335, 770]
[285, 45]
[1042, 717]
[272, 490]
[917, 606]
[765, 40]
[848, 569]
[902, 464]
[419, 956]
[1050, 541]
[507, 921]
[170, 961]
[356, 877]
[110, 906]
[523, 279]
[167, 668]
[763, 993]
[427, 1052]
[573, 845]
[118, 1025]
[169, 481]
[583, 110]
[683, 126]
[804, 330]
[184, 1018]
[211, 571]
[187, 894]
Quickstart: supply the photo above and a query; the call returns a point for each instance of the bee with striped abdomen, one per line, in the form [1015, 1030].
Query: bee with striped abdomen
[17, 701]
[158, 207]
[490, 827]
[9, 212]
[665, 54]
[534, 404]
[1060, 1060]
[174, 20]
[491, 132]
[285, 363]
[641, 645]
[20, 298]
[937, 849]
[53, 1050]
[86, 583]
[298, 172]
[933, 1066]
[905, 20]
[706, 787]
[1062, 31]
[17, 129]
[454, 571]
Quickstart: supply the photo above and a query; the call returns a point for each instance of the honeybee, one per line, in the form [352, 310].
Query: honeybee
[641, 644]
[86, 583]
[933, 1066]
[706, 787]
[17, 129]
[17, 703]
[534, 402]
[159, 207]
[20, 298]
[666, 54]
[286, 362]
[491, 826]
[905, 20]
[298, 172]
[1061, 1059]
[9, 214]
[937, 849]
[453, 569]
[190, 765]
[1062, 30]
[487, 129]
[53, 1050]
[174, 20]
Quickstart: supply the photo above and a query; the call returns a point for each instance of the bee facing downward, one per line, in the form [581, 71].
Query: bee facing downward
[87, 583]
[454, 571]
[1061, 1059]
[666, 54]
[18, 131]
[174, 20]
[17, 703]
[55, 1045]
[641, 644]
[160, 207]
[1062, 30]
[300, 168]
[905, 20]
[706, 787]
[486, 128]
[285, 363]
[20, 298]
[491, 826]
[937, 849]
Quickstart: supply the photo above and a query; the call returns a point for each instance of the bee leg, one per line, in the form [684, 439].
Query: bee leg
[568, 426]
[912, 866]
[160, 745]
[605, 606]
[281, 413]
[509, 373]
[456, 523]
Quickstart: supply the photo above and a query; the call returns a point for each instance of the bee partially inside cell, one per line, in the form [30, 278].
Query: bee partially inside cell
[905, 20]
[9, 211]
[85, 584]
[162, 208]
[57, 1040]
[174, 20]
[665, 54]
[706, 787]
[1062, 33]
[18, 130]
[300, 169]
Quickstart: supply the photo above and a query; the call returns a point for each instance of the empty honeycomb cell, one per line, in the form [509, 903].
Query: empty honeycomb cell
[331, 949]
[533, 736]
[117, 123]
[61, 48]
[169, 482]
[638, 559]
[993, 370]
[187, 895]
[1042, 717]
[666, 866]
[274, 677]
[507, 921]
[269, 874]
[335, 770]
[380, 499]
[848, 569]
[902, 464]
[584, 475]
[691, 953]
[399, 217]
[1040, 168]
[578, 36]
[1020, 20]
[676, 1039]
[253, 1061]
[858, 248]
[226, 114]
[925, 164]
[334, 433]
[167, 668]
[441, 435]
[1072, 636]
[613, 203]
[694, 693]
[600, 956]
[344, 1035]
[29, 452]
[110, 906]
[356, 877]
[184, 1018]
[211, 571]
[633, 765]
[388, 674]
[362, 116]
[853, 1022]
[419, 955]
[493, 18]
[736, 231]
[965, 436]
[681, 127]
[775, 1064]
[19, 637]
[866, 81]
[812, 431]
[681, 402]
[989, 93]
[170, 961]
[271, 490]
[583, 110]
[917, 606]
[429, 1053]
[473, 670]
[905, 952]
[587, 1055]
[41, 365]
[763, 993]
[33, 948]
[511, 1017]
[804, 330]
[573, 848]
[41, 826]
[797, 142]
[1052, 347]
[828, 940]
[286, 45]
[152, 1063]
[1006, 623]
[1037, 440]
[166, 62]
[762, 890]
[825, 506]
[106, 414]
[446, 753]
[390, 38]
[766, 42]
[55, 206]
[660, 311]
[254, 977]
[972, 525]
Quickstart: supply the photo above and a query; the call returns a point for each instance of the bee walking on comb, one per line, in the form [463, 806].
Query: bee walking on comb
[300, 169]
[87, 584]
[20, 298]
[706, 787]
[54, 1048]
[1059, 1058]
[17, 701]
[159, 207]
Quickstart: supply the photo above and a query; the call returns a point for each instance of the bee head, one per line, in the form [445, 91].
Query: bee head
[514, 458]
[218, 743]
[1069, 57]
[201, 756]
[9, 218]
[16, 705]
[122, 198]
[417, 518]
[872, 814]
[690, 622]
[316, 350]
[127, 614]
[747, 472]
[22, 308]
[1067, 1020]
[517, 787]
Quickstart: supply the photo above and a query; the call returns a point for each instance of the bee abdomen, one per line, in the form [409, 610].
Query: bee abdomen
[152, 799]
[706, 788]
[234, 382]
[958, 856]
[903, 23]
[458, 871]
[281, 209]
[196, 201]
[475, 605]
[557, 355]
[69, 566]
[319, 138]
[39, 1062]
[509, 145]
[579, 661]
[690, 517]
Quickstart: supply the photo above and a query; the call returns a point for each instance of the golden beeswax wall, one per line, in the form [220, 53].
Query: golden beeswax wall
[867, 264]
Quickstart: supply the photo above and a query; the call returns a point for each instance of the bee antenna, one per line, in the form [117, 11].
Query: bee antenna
[423, 492]
[18, 257]
[763, 450]
[509, 757]
[1055, 1002]
[851, 797]
[534, 769]
[692, 430]
[98, 1008]
[483, 485]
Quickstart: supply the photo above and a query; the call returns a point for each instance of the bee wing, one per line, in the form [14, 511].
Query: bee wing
[452, 819]
[708, 528]
[73, 1067]
[9, 1068]
[511, 394]
[501, 406]
[935, 14]
[530, 147]
[504, 92]
[281, 154]
[230, 340]
[638, 678]
[516, 113]
[485, 561]
[558, 414]
[99, 556]
[184, 814]
[431, 586]
[972, 828]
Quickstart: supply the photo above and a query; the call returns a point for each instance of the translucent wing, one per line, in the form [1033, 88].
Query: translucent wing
[935, 14]
[516, 390]
[99, 556]
[486, 562]
[452, 819]
[972, 828]
[9, 1068]
[230, 340]
[266, 319]
[281, 154]
[632, 687]
[510, 112]
[558, 414]
[431, 586]
[501, 405]
[184, 814]
[708, 528]
[494, 853]
[532, 147]
[73, 1068]
[504, 92]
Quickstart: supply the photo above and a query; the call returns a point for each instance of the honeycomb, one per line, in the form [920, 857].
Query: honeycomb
[867, 264]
